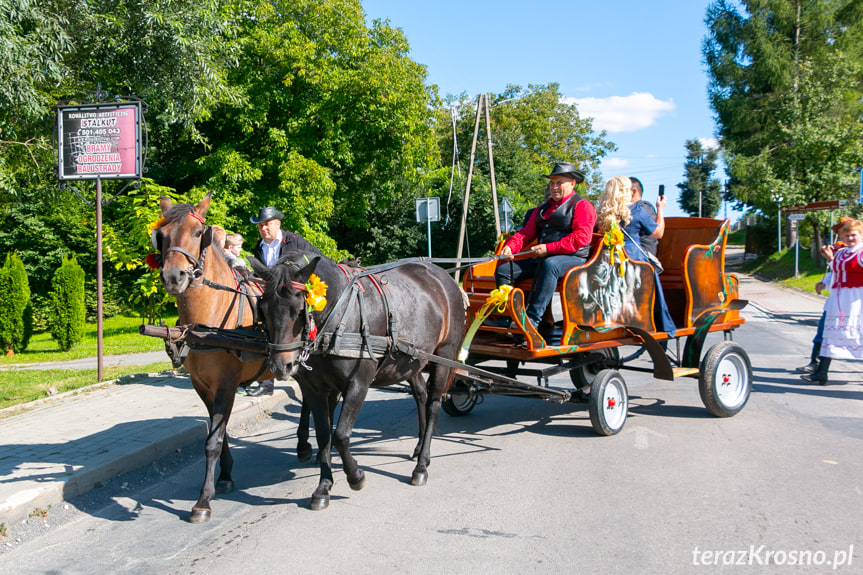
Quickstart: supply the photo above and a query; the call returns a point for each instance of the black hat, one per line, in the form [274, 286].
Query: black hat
[267, 214]
[566, 168]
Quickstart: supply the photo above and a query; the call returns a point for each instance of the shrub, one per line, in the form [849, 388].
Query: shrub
[16, 310]
[67, 319]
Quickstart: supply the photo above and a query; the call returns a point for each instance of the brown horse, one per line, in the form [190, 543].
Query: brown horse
[415, 305]
[205, 289]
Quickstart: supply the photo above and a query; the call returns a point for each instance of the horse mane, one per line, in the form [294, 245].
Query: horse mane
[176, 213]
[283, 271]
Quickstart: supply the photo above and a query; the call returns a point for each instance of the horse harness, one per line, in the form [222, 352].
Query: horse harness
[178, 353]
[332, 339]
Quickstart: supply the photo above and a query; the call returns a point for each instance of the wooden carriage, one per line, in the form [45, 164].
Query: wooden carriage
[611, 302]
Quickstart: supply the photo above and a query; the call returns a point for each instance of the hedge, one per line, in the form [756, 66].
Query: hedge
[68, 313]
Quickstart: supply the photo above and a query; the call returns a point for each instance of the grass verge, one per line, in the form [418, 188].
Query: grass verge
[779, 267]
[119, 337]
[19, 386]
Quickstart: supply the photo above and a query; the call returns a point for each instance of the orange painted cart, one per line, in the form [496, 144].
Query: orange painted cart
[606, 304]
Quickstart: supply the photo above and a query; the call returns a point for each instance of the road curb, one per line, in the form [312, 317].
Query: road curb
[17, 506]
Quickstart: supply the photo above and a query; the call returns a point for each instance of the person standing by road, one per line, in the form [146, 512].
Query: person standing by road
[843, 324]
[825, 282]
[275, 242]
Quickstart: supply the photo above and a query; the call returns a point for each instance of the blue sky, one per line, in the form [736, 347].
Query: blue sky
[634, 66]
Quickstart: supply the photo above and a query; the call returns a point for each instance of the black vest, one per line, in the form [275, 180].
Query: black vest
[559, 224]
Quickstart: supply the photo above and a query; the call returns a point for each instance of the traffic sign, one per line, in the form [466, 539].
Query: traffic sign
[428, 209]
[796, 217]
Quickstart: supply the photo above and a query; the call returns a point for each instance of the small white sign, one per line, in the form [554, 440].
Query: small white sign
[428, 209]
[796, 217]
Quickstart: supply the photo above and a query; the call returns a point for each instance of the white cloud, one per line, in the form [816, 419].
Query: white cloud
[630, 113]
[709, 143]
[615, 163]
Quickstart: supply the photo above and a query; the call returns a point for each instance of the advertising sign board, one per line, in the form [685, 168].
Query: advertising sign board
[99, 141]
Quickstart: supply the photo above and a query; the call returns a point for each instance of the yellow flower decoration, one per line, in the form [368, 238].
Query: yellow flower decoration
[316, 293]
[613, 240]
[496, 300]
[613, 237]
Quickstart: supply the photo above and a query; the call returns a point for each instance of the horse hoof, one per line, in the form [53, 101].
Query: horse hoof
[419, 478]
[319, 502]
[200, 515]
[224, 486]
[359, 483]
[304, 453]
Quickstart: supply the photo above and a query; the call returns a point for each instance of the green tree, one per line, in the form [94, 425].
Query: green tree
[175, 54]
[531, 129]
[16, 312]
[699, 191]
[127, 242]
[35, 42]
[786, 83]
[333, 127]
[67, 320]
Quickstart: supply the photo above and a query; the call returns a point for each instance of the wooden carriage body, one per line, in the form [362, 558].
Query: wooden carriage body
[606, 300]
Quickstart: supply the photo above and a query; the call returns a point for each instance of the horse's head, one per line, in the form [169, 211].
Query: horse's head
[181, 239]
[283, 305]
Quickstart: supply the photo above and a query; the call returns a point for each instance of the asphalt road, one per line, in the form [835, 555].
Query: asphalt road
[518, 486]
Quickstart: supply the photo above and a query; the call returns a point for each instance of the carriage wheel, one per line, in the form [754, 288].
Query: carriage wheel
[585, 375]
[608, 402]
[725, 381]
[460, 400]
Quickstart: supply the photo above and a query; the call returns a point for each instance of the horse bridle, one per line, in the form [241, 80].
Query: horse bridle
[307, 342]
[196, 271]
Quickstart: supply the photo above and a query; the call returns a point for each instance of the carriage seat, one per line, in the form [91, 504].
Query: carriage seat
[479, 278]
[688, 277]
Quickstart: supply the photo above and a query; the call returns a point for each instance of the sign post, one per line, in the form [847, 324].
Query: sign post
[795, 218]
[95, 142]
[428, 210]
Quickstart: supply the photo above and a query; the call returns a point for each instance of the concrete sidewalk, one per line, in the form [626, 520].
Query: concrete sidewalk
[65, 445]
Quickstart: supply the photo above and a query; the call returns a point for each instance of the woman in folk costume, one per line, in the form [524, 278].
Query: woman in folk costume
[843, 325]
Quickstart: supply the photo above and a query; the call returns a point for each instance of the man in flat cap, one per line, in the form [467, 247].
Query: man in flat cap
[562, 227]
[275, 242]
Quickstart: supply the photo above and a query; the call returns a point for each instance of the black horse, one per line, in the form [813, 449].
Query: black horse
[416, 303]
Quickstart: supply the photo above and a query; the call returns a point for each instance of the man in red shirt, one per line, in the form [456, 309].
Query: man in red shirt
[563, 227]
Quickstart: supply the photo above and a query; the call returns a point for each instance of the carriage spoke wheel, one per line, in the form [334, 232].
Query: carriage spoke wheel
[725, 381]
[608, 402]
[460, 400]
[584, 375]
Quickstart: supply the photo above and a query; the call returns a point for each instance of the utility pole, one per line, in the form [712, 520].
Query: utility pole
[482, 103]
[466, 200]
